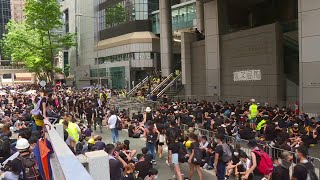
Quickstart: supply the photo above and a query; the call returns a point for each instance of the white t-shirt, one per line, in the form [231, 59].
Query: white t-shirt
[112, 121]
[246, 165]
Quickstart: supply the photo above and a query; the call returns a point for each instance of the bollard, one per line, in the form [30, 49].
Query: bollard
[98, 165]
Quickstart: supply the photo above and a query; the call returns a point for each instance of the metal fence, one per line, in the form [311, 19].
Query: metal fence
[234, 99]
[273, 152]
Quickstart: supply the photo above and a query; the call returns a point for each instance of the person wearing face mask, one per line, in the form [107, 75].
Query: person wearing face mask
[304, 169]
[281, 172]
[243, 166]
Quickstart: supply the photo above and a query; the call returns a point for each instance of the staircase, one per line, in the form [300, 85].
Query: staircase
[173, 87]
[142, 83]
[162, 84]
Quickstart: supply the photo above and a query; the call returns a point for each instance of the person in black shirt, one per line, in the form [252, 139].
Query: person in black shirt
[300, 171]
[174, 157]
[142, 166]
[116, 163]
[281, 172]
[89, 113]
[195, 150]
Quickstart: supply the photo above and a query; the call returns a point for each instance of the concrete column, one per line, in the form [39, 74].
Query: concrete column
[166, 44]
[186, 42]
[212, 48]
[309, 55]
[200, 15]
[12, 78]
[98, 165]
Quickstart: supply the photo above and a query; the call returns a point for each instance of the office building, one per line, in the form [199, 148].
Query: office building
[264, 49]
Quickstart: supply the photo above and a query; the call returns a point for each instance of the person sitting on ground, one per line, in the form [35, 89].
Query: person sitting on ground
[152, 174]
[142, 166]
[243, 166]
[99, 144]
[148, 157]
[128, 172]
[135, 131]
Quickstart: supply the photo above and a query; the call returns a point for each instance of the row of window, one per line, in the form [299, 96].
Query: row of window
[126, 57]
[122, 12]
[182, 18]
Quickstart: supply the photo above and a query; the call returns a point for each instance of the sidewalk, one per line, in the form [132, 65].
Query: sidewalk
[165, 172]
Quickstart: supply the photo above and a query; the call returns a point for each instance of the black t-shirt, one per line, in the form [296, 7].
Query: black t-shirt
[219, 150]
[115, 169]
[280, 173]
[128, 177]
[300, 172]
[174, 147]
[171, 131]
[143, 168]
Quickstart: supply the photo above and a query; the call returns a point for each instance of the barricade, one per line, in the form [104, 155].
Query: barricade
[267, 147]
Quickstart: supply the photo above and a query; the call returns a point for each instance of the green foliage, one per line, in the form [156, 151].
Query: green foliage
[116, 15]
[36, 42]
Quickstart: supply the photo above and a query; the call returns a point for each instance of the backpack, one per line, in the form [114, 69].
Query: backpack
[311, 172]
[151, 136]
[182, 154]
[197, 158]
[118, 124]
[265, 165]
[30, 170]
[227, 155]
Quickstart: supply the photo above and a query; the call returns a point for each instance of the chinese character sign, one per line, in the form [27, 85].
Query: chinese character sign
[248, 75]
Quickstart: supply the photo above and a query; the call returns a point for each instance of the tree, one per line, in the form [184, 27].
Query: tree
[37, 41]
[115, 15]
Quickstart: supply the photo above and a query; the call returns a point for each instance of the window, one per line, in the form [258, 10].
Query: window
[66, 20]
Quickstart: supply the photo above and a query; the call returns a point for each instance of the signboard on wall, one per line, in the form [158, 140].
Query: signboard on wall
[247, 75]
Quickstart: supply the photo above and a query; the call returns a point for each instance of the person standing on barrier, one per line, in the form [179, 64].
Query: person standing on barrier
[222, 156]
[304, 169]
[281, 172]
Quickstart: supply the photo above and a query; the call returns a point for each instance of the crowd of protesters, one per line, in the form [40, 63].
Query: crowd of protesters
[83, 112]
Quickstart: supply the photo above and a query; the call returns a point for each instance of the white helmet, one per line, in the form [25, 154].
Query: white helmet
[148, 109]
[253, 100]
[22, 144]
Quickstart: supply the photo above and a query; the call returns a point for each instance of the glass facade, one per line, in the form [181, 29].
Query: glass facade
[182, 18]
[102, 72]
[122, 11]
[118, 77]
[5, 15]
[126, 57]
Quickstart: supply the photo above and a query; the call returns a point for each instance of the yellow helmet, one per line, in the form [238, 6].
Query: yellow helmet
[91, 141]
[188, 144]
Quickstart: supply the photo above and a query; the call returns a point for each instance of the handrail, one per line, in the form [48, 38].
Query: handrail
[168, 86]
[65, 164]
[162, 83]
[138, 85]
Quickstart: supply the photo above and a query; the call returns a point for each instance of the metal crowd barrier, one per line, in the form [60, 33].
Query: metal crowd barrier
[274, 152]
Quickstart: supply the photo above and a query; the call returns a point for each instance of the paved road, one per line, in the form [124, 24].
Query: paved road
[165, 172]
